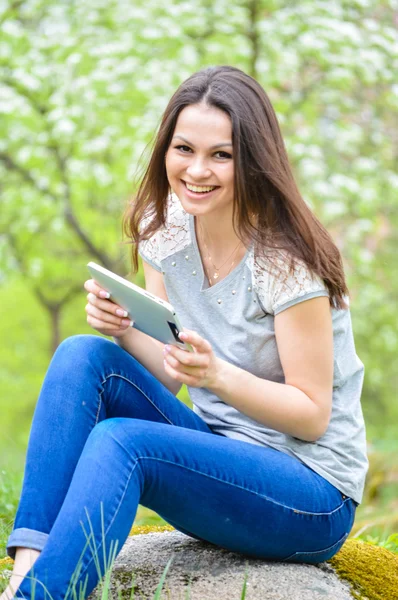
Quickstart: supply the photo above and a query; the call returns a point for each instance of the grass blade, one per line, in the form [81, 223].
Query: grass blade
[243, 595]
[162, 580]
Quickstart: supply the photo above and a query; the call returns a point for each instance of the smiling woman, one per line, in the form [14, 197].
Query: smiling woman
[271, 461]
[199, 171]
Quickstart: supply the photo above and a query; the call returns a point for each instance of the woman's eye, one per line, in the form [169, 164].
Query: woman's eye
[223, 154]
[183, 148]
[220, 154]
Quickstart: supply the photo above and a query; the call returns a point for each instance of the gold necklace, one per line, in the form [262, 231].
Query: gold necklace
[216, 273]
[209, 278]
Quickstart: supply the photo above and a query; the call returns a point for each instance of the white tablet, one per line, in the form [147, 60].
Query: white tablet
[150, 314]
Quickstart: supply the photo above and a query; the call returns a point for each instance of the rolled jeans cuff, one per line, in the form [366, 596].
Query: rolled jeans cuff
[26, 538]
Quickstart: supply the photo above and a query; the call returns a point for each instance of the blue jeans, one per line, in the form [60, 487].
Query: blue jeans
[107, 435]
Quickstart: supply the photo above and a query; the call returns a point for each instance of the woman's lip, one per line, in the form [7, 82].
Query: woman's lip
[200, 185]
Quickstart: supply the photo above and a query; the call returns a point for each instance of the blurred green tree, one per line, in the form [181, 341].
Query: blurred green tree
[82, 90]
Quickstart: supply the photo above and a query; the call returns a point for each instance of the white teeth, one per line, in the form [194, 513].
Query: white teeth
[197, 188]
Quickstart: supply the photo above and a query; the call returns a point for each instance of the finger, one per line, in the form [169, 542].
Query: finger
[101, 321]
[175, 364]
[182, 377]
[92, 286]
[106, 305]
[193, 338]
[105, 318]
[107, 328]
[197, 371]
[187, 358]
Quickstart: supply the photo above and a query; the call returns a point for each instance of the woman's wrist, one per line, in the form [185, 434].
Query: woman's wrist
[220, 376]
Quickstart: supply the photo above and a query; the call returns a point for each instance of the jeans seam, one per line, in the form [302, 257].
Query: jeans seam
[98, 409]
[314, 553]
[140, 390]
[320, 514]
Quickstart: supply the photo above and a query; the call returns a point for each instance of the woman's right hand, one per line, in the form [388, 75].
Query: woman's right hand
[104, 315]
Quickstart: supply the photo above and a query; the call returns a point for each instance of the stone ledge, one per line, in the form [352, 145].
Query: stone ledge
[215, 573]
[359, 570]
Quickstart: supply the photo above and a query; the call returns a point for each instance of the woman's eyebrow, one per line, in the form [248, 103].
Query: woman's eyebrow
[211, 147]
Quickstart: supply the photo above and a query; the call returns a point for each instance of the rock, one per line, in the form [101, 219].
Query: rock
[215, 573]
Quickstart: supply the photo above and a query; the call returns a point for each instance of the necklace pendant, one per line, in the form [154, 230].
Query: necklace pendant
[215, 276]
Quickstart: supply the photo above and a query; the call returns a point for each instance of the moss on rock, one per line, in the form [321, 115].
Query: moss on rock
[371, 570]
[5, 572]
[6, 565]
[6, 562]
[142, 529]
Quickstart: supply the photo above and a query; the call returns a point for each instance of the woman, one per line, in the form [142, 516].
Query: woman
[271, 462]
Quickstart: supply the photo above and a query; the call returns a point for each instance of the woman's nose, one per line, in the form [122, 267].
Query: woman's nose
[198, 169]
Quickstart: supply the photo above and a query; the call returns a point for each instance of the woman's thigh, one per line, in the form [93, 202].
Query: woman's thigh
[92, 379]
[237, 495]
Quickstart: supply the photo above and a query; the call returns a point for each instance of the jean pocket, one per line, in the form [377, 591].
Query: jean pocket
[319, 555]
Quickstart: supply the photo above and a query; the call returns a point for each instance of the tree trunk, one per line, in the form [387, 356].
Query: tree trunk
[55, 318]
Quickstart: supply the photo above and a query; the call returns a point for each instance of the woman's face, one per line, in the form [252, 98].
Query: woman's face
[199, 160]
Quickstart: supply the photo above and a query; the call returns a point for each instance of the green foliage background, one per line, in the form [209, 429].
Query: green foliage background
[82, 88]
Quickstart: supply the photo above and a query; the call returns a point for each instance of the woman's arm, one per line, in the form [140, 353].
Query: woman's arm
[301, 406]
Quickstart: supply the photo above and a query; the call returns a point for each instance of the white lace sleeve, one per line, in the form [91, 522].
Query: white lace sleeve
[278, 290]
[149, 250]
[172, 238]
[176, 235]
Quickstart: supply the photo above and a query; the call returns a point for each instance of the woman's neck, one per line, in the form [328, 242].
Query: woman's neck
[218, 242]
[217, 235]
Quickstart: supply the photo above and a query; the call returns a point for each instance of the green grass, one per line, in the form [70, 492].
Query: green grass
[10, 488]
[389, 542]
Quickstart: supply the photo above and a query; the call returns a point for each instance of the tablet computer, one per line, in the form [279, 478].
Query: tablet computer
[150, 314]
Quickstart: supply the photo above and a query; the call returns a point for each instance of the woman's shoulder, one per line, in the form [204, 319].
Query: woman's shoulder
[176, 234]
[282, 280]
[176, 215]
[172, 237]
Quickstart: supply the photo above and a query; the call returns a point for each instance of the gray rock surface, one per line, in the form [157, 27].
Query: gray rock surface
[215, 573]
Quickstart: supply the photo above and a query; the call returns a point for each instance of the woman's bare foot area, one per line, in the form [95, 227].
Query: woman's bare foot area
[9, 592]
[24, 560]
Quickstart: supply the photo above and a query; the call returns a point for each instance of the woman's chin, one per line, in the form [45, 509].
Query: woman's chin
[191, 206]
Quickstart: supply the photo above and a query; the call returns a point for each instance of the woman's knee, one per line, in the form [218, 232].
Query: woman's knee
[132, 436]
[79, 350]
[83, 343]
[107, 435]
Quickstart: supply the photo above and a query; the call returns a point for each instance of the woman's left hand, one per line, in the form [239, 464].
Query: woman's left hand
[196, 369]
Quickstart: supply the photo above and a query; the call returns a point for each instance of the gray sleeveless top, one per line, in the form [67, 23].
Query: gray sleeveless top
[236, 315]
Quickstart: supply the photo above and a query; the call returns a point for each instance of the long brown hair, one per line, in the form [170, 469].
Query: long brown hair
[264, 185]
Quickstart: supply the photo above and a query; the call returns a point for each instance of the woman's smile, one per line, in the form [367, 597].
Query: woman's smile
[199, 191]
